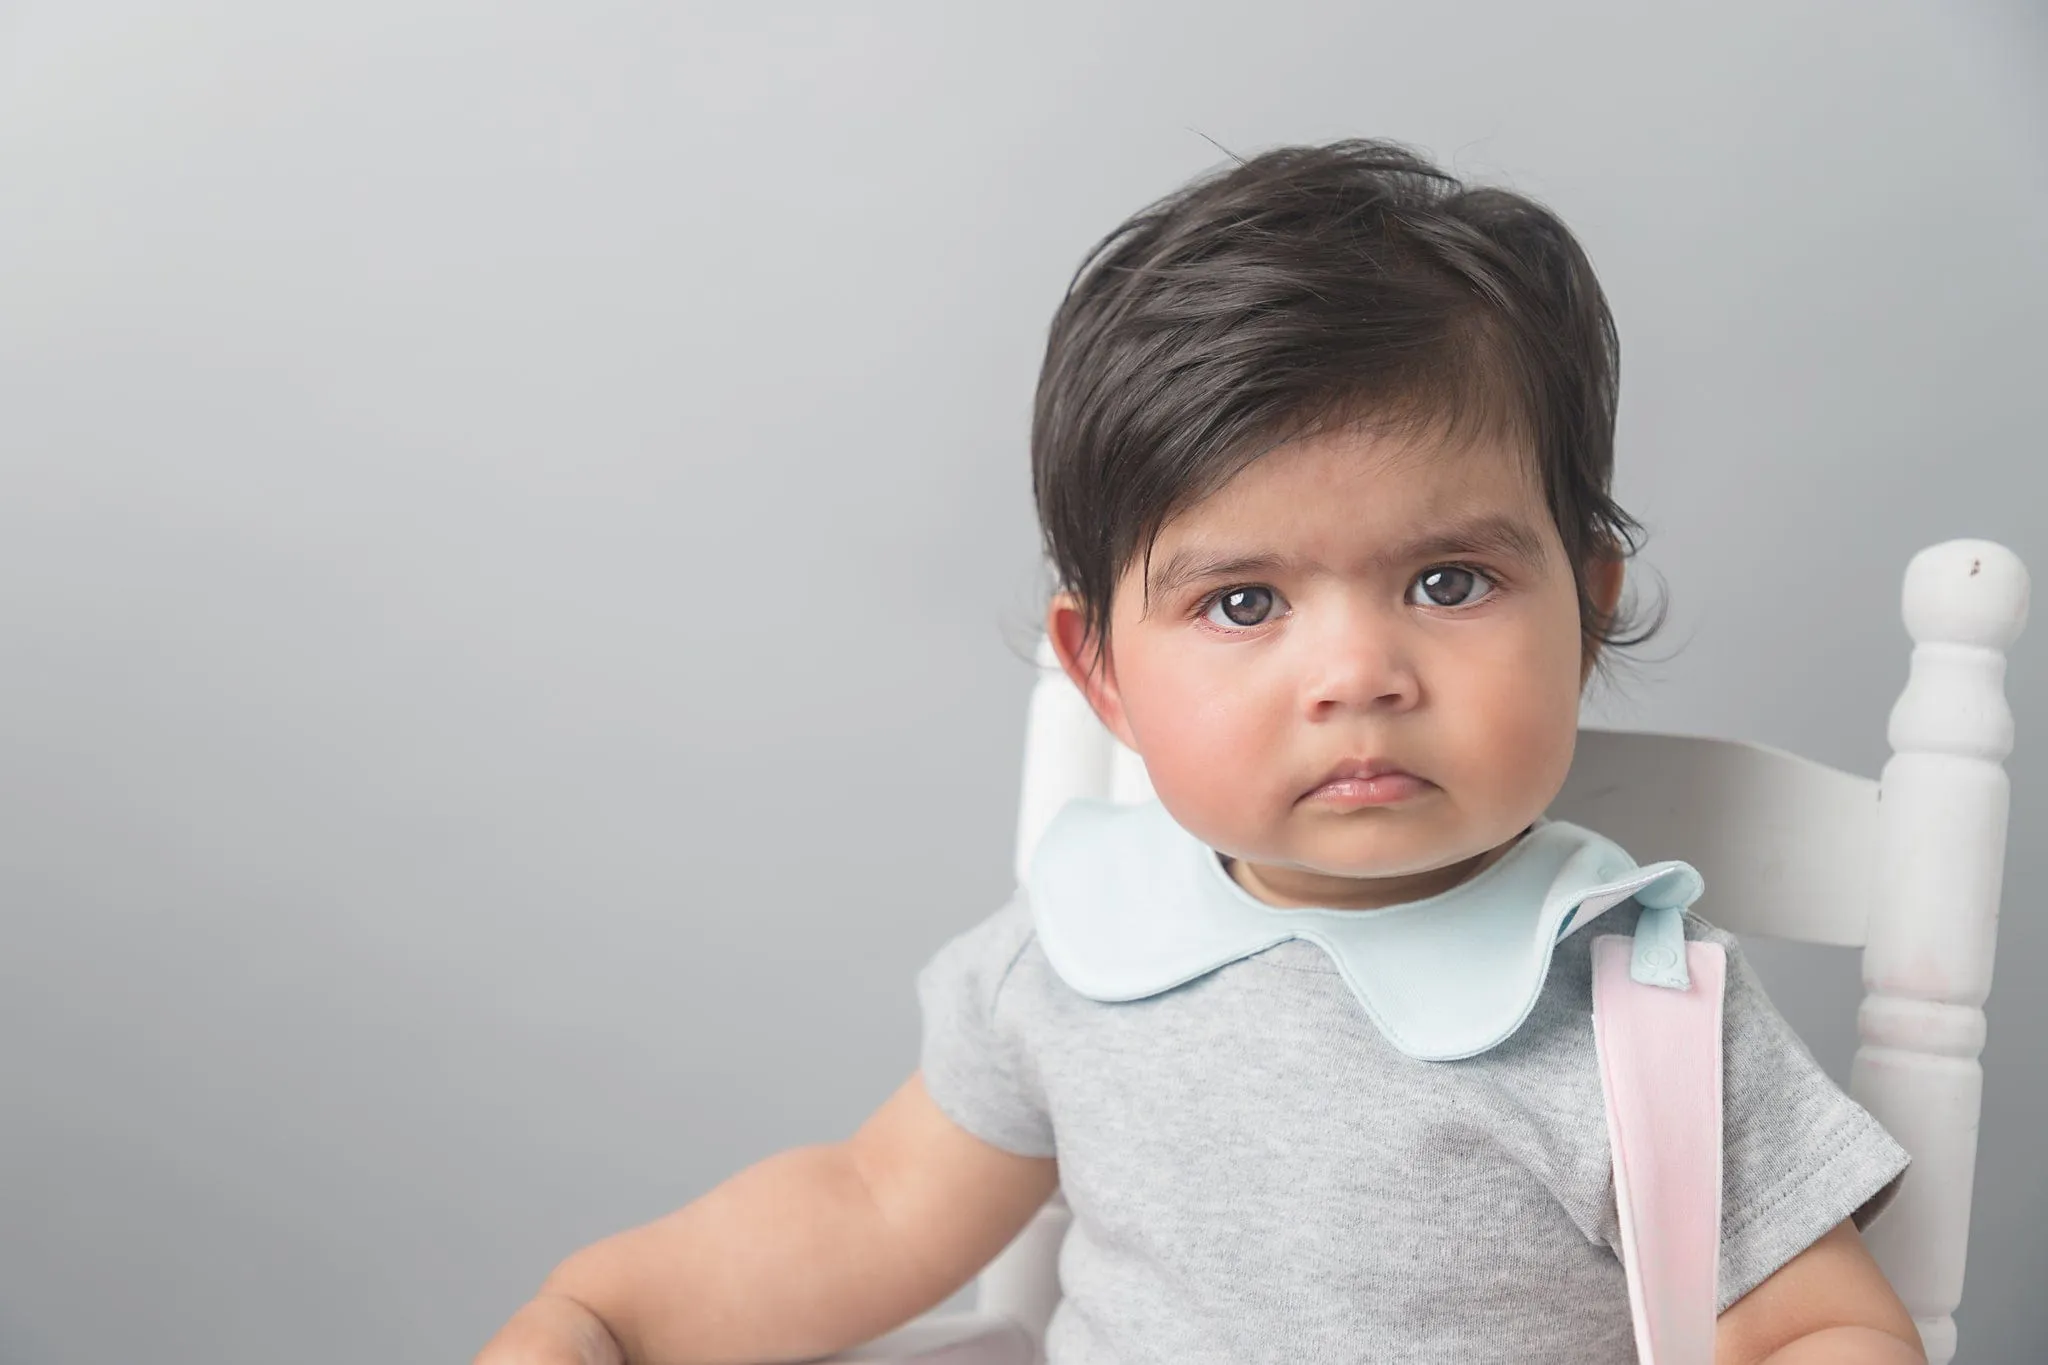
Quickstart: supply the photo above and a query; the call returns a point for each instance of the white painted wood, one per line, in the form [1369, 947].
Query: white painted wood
[1067, 753]
[1934, 918]
[1022, 1283]
[1783, 843]
[1909, 867]
[1129, 782]
[951, 1339]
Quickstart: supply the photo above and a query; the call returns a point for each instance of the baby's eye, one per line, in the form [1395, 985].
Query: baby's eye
[1450, 585]
[1249, 606]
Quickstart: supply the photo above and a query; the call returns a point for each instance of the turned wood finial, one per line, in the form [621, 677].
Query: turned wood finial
[1933, 925]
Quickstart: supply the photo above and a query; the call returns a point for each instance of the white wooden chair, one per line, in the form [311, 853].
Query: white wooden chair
[1907, 867]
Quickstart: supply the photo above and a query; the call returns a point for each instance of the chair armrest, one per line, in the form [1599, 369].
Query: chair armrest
[947, 1339]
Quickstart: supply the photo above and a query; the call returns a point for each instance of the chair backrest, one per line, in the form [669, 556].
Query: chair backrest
[1907, 867]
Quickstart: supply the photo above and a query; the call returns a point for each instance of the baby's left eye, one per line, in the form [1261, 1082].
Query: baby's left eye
[1450, 585]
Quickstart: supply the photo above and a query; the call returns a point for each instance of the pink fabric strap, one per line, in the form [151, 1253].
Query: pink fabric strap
[1660, 1070]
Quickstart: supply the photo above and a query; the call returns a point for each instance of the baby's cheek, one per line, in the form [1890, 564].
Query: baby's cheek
[1532, 735]
[1205, 755]
[1500, 718]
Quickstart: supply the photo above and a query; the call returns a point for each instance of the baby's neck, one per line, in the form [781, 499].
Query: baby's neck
[1290, 887]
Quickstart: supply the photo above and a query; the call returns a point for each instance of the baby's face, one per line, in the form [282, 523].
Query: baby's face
[1353, 598]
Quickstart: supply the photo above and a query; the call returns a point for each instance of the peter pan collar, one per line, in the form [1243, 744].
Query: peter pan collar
[1128, 904]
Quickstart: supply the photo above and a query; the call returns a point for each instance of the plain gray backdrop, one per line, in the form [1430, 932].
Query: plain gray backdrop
[516, 543]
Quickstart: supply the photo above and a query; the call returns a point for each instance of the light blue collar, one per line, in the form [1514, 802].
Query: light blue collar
[1128, 904]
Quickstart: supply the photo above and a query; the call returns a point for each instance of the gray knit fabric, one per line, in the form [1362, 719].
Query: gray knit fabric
[1256, 1175]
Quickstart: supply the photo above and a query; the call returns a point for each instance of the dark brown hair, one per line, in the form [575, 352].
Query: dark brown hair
[1304, 288]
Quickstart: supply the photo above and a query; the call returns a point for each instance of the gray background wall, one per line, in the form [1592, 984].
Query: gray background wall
[515, 536]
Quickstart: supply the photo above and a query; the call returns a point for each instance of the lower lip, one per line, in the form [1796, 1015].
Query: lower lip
[1352, 793]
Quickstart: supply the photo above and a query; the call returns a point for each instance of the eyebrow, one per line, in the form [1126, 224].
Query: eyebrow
[1504, 537]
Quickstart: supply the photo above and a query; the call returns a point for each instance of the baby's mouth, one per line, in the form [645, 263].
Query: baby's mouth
[1356, 786]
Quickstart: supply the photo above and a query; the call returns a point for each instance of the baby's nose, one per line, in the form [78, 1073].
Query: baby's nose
[1363, 665]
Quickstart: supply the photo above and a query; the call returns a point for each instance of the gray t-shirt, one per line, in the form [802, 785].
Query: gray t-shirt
[1256, 1175]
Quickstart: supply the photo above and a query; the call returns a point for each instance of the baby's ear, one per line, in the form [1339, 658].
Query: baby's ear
[1087, 661]
[1604, 577]
[1605, 574]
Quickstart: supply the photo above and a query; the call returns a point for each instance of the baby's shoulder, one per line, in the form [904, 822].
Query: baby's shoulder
[982, 960]
[1553, 1052]
[1571, 963]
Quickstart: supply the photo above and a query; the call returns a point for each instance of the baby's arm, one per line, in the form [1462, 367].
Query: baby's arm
[1829, 1305]
[801, 1255]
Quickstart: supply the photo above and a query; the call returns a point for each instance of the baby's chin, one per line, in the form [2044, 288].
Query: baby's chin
[1374, 848]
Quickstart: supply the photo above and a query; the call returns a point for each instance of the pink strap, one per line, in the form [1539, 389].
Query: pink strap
[1660, 1070]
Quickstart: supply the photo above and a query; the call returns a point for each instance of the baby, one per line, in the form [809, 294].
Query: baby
[1322, 455]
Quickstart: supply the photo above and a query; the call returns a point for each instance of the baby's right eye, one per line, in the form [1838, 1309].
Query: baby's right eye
[1241, 607]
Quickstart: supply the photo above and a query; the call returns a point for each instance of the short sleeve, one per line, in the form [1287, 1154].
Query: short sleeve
[975, 1064]
[1798, 1154]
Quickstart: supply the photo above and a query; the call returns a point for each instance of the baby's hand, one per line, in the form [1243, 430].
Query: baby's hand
[552, 1330]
